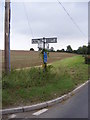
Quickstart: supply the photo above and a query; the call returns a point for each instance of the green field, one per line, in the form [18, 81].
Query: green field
[26, 87]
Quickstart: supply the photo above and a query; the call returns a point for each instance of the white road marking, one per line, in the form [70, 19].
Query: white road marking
[40, 112]
[12, 116]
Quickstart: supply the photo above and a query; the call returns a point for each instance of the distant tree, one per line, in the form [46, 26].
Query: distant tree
[69, 49]
[75, 51]
[58, 50]
[85, 50]
[62, 50]
[52, 49]
[31, 49]
[82, 50]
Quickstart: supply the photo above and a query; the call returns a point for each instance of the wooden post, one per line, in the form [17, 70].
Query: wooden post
[7, 36]
[45, 65]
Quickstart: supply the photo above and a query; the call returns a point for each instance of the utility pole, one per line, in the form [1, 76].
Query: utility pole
[7, 36]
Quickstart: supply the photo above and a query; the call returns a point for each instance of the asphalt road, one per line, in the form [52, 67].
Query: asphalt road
[74, 107]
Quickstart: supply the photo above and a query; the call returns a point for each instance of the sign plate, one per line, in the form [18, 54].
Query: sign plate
[45, 57]
[47, 40]
[51, 40]
[36, 41]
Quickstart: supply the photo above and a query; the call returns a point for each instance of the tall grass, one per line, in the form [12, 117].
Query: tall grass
[26, 87]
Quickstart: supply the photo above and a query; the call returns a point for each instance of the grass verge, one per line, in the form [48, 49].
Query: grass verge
[32, 86]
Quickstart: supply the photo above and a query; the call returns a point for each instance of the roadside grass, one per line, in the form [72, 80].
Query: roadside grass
[26, 87]
[75, 67]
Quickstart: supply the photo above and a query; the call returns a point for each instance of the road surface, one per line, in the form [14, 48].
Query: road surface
[74, 107]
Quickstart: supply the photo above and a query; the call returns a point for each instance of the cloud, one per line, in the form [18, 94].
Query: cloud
[34, 1]
[47, 20]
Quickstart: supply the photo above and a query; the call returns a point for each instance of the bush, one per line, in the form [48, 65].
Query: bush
[31, 49]
[87, 59]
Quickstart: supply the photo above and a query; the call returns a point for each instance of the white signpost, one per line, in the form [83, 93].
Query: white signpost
[44, 41]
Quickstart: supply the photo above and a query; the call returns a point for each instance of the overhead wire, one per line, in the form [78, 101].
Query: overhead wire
[29, 25]
[72, 19]
[74, 22]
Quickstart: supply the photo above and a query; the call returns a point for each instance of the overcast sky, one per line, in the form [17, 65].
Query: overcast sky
[46, 19]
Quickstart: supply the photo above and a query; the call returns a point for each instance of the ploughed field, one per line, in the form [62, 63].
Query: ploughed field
[22, 59]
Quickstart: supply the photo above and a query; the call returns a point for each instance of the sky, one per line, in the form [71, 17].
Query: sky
[46, 19]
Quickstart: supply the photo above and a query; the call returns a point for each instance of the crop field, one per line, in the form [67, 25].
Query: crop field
[22, 59]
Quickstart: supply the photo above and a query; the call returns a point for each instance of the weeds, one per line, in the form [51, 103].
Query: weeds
[32, 86]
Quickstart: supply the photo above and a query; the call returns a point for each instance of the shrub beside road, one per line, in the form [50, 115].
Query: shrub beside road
[26, 87]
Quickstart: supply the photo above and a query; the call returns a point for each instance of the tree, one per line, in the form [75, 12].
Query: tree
[69, 49]
[85, 50]
[58, 50]
[62, 50]
[31, 49]
[52, 49]
[82, 50]
[75, 51]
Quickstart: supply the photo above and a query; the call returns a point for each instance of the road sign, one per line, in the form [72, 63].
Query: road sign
[45, 57]
[46, 40]
[51, 40]
[36, 41]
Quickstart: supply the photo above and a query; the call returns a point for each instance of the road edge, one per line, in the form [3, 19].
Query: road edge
[44, 104]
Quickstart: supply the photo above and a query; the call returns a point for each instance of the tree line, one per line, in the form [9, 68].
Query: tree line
[81, 50]
[84, 50]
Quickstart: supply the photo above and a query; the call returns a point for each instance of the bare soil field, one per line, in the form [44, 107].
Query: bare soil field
[22, 59]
